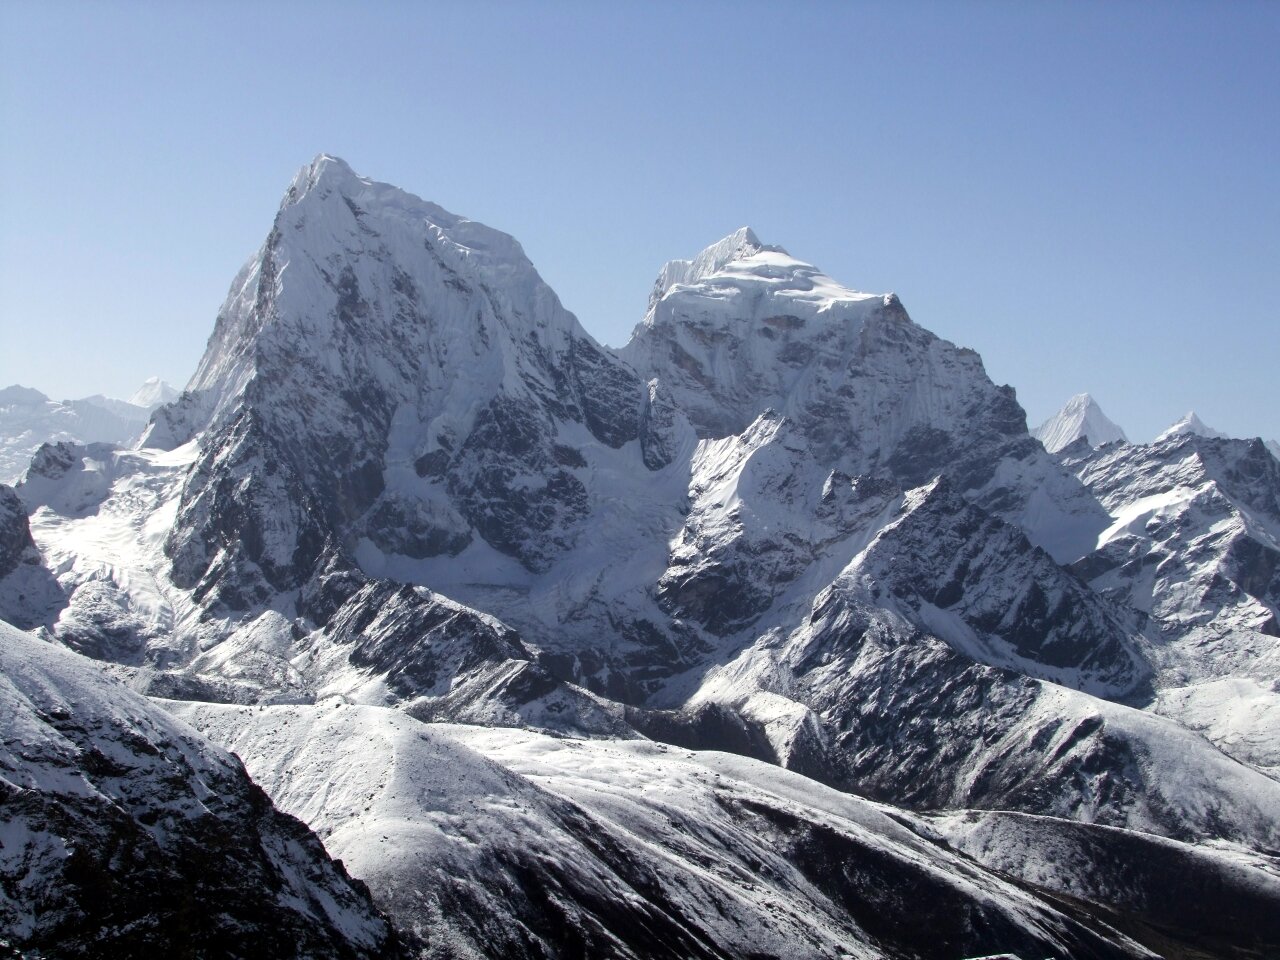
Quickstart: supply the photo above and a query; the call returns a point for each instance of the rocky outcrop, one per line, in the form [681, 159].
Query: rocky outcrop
[128, 834]
[29, 593]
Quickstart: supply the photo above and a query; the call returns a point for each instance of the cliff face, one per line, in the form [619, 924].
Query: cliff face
[127, 833]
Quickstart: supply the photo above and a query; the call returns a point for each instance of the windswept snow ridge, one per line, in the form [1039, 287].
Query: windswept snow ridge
[626, 849]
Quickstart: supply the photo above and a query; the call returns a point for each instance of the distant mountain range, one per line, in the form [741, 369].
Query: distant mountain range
[1082, 418]
[28, 419]
[774, 633]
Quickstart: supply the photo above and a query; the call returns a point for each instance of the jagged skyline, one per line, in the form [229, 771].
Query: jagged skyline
[1118, 251]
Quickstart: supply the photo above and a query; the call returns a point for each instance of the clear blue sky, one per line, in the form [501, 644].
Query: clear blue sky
[1086, 193]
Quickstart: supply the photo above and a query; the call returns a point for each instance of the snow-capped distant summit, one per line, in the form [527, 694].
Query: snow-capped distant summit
[153, 393]
[1274, 447]
[739, 245]
[20, 396]
[1080, 417]
[1191, 424]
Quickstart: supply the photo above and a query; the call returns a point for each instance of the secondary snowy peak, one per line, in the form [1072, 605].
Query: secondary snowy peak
[871, 391]
[739, 245]
[153, 393]
[20, 396]
[1194, 425]
[744, 327]
[1080, 417]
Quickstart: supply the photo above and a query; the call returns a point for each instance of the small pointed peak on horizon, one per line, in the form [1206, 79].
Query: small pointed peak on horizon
[154, 392]
[1081, 401]
[1080, 417]
[1191, 423]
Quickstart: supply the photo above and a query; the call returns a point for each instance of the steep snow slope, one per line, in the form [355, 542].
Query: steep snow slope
[125, 833]
[517, 844]
[1081, 417]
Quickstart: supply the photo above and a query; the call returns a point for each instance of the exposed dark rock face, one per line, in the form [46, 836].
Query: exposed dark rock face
[490, 484]
[917, 724]
[15, 534]
[419, 641]
[131, 836]
[29, 593]
[912, 912]
[971, 567]
[247, 527]
[661, 426]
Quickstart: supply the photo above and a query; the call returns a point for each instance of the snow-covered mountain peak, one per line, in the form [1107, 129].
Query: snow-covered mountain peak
[20, 396]
[739, 327]
[153, 393]
[740, 266]
[1080, 417]
[341, 288]
[740, 244]
[1191, 423]
[325, 172]
[374, 339]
